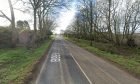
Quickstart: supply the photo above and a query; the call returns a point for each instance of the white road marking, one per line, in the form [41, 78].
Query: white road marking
[81, 69]
[43, 67]
[55, 60]
[55, 57]
[105, 72]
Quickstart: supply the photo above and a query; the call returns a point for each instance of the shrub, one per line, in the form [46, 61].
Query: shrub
[5, 37]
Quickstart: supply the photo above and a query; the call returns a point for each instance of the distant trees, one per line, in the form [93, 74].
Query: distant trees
[23, 25]
[107, 21]
[132, 20]
[42, 13]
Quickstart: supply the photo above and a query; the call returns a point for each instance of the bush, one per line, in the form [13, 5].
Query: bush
[5, 37]
[131, 42]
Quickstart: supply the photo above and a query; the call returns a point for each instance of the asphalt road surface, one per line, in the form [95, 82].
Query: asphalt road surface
[70, 64]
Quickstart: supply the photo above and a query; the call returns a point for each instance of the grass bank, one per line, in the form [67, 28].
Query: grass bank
[16, 64]
[127, 58]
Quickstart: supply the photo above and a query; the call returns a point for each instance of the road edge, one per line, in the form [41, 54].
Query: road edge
[31, 79]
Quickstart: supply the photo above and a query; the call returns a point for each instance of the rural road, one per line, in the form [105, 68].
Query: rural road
[67, 63]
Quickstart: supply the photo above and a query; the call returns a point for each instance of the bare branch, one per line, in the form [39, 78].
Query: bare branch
[4, 16]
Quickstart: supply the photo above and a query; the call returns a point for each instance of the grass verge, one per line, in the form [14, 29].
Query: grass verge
[17, 64]
[129, 63]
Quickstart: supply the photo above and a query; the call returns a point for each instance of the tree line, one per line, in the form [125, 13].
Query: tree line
[42, 18]
[113, 21]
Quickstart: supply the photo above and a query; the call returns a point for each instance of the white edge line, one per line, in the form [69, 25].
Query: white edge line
[81, 69]
[43, 66]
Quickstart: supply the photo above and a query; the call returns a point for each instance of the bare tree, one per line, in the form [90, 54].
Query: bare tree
[36, 4]
[12, 21]
[109, 20]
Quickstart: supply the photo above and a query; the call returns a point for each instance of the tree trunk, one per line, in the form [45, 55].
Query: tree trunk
[91, 23]
[35, 29]
[14, 32]
[109, 22]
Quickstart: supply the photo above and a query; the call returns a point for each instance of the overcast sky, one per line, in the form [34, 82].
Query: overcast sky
[18, 14]
[66, 18]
